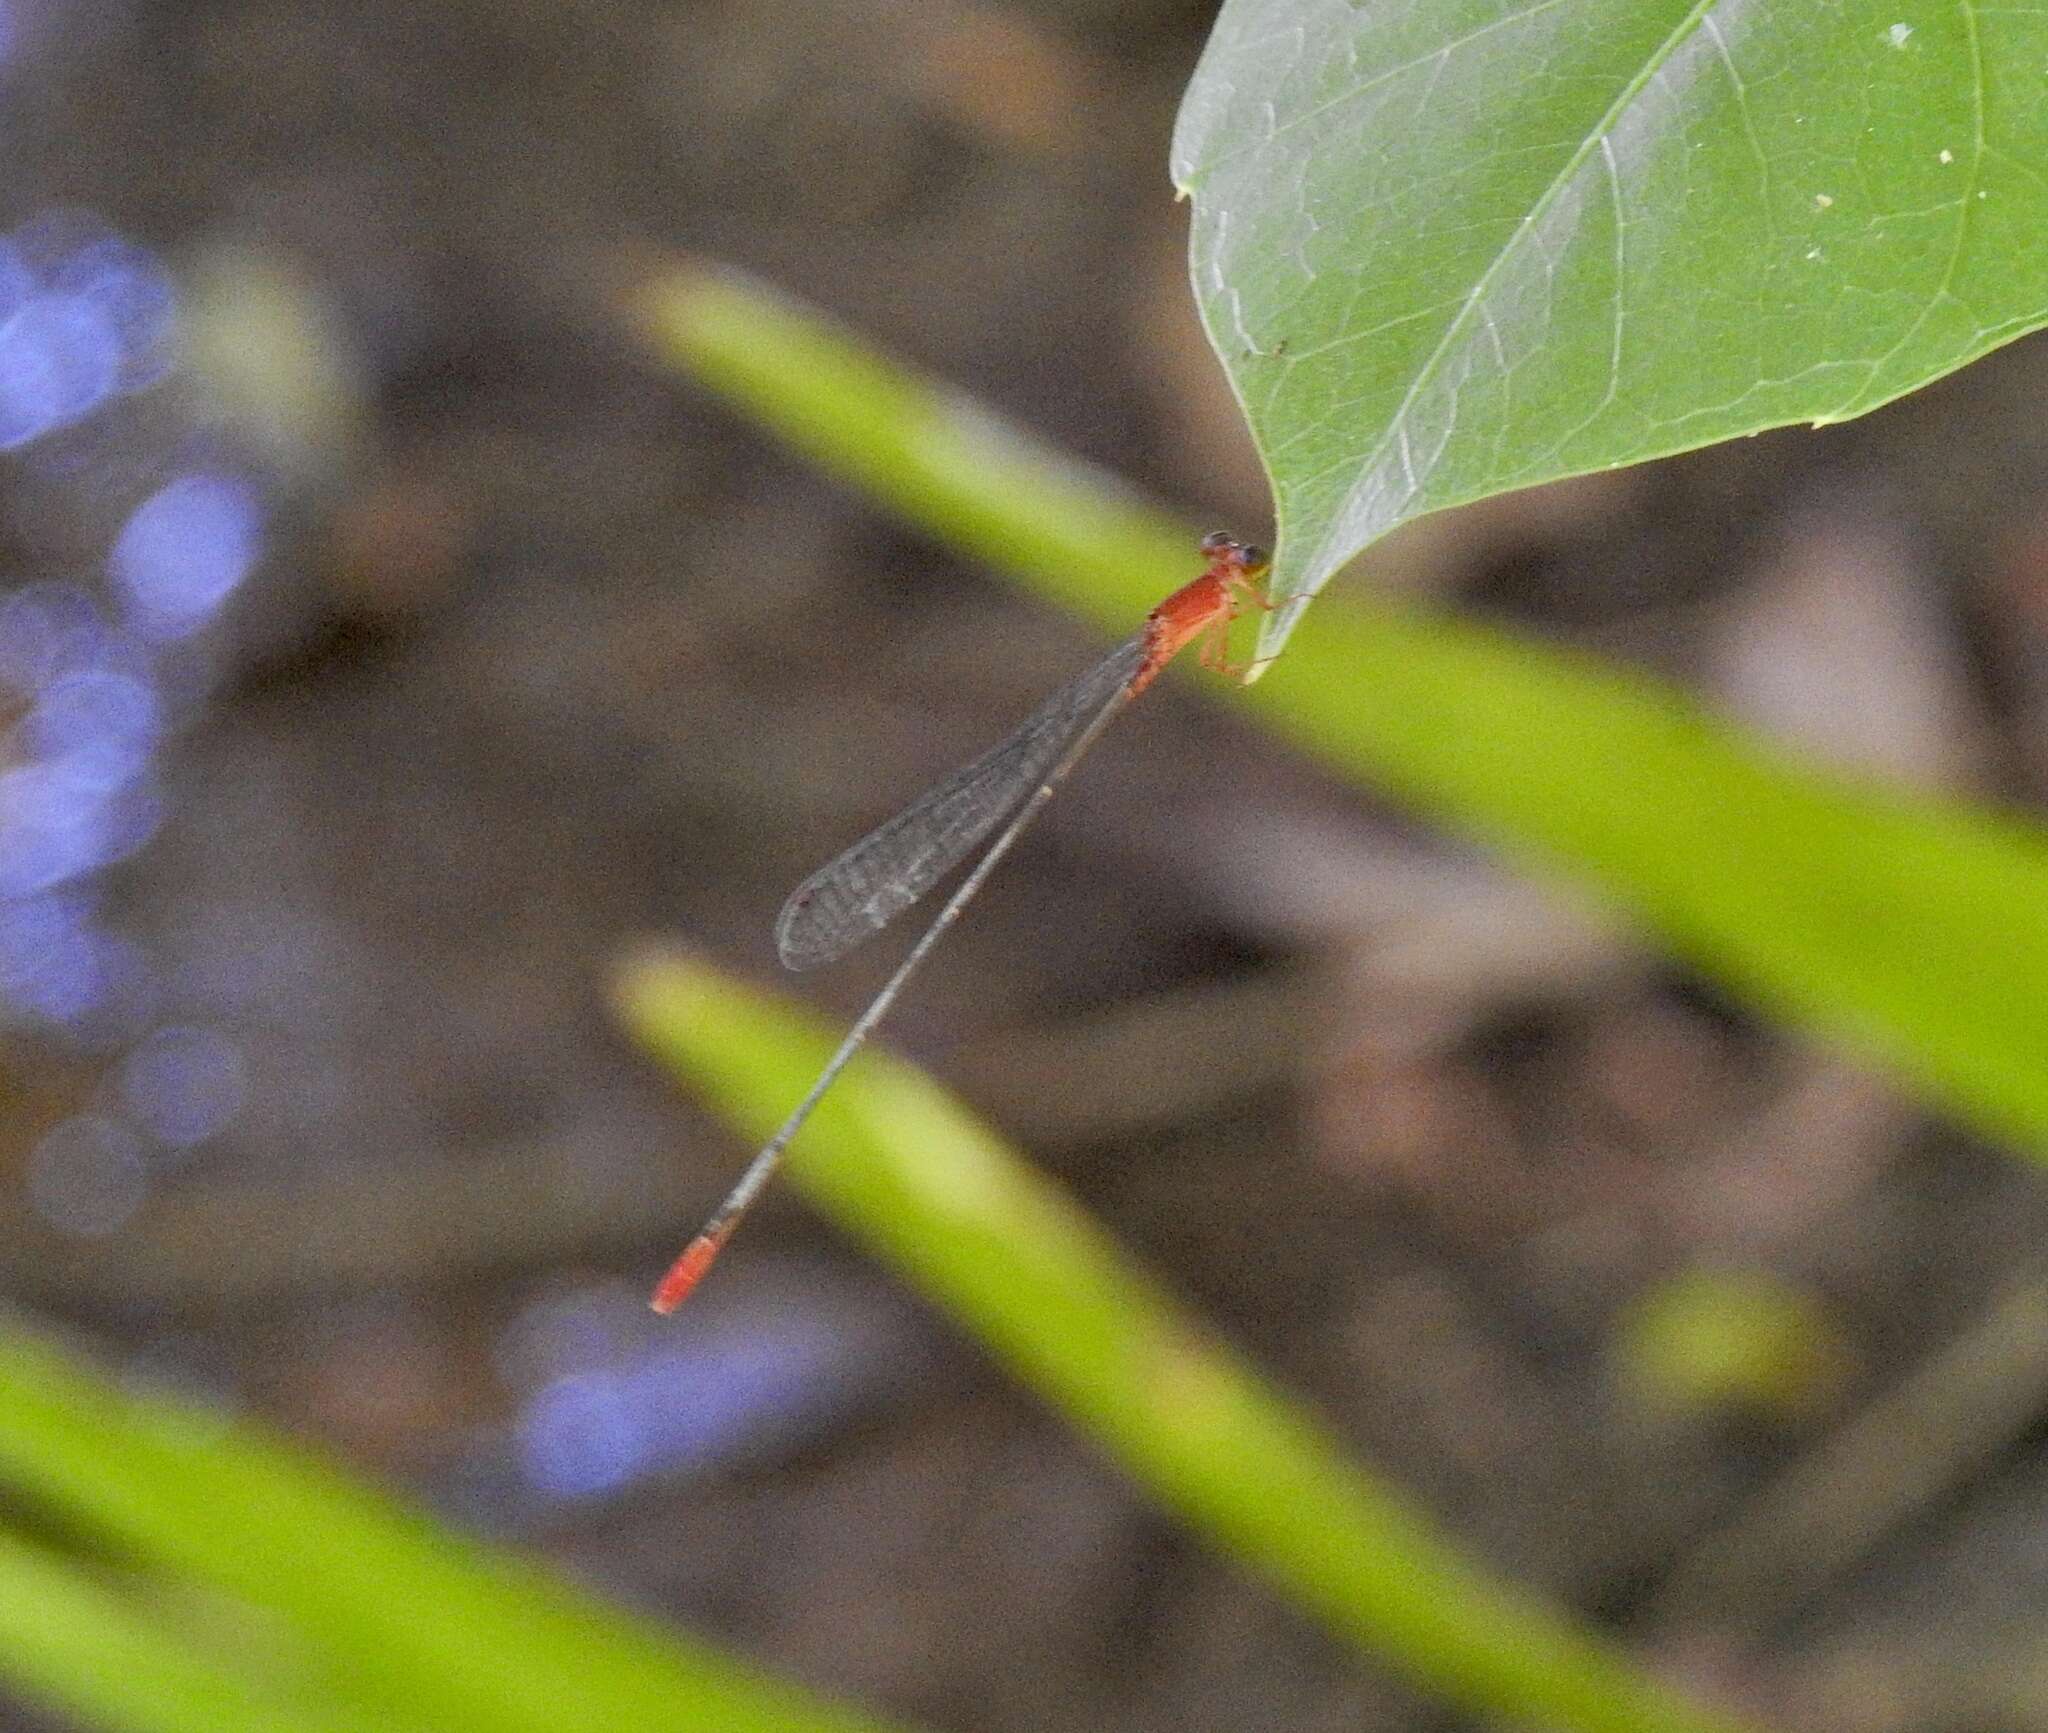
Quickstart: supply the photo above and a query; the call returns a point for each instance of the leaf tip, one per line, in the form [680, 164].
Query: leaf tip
[650, 978]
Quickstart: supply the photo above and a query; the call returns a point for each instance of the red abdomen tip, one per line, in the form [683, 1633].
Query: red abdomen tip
[684, 1274]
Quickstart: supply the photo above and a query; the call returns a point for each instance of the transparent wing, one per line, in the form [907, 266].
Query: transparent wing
[874, 881]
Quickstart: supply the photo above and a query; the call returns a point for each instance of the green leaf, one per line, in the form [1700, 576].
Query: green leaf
[1450, 249]
[897, 1161]
[414, 1625]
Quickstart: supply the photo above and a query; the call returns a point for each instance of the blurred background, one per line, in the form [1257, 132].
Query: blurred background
[387, 646]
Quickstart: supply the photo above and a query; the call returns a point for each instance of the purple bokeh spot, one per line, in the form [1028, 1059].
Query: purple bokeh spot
[185, 549]
[183, 1084]
[96, 729]
[49, 955]
[128, 292]
[565, 1333]
[47, 631]
[578, 1438]
[60, 358]
[52, 829]
[17, 280]
[87, 1176]
[673, 1408]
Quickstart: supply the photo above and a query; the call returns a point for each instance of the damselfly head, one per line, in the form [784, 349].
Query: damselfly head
[1221, 549]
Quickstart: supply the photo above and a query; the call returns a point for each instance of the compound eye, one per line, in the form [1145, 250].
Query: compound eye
[1255, 556]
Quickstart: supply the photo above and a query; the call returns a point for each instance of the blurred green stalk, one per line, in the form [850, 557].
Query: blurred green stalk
[72, 1639]
[330, 1609]
[897, 1162]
